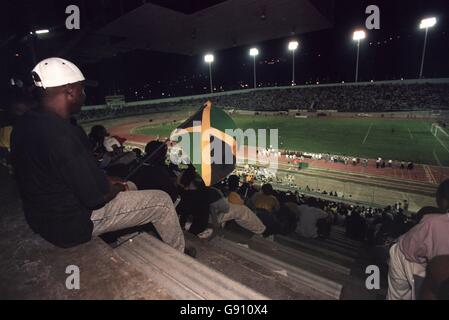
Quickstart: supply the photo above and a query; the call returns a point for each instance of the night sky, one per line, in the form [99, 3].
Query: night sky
[328, 56]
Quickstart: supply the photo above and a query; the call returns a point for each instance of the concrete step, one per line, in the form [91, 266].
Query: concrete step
[343, 238]
[322, 243]
[182, 276]
[298, 258]
[341, 243]
[301, 277]
[263, 280]
[315, 249]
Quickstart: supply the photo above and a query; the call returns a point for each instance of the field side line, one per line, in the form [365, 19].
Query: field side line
[367, 134]
[411, 135]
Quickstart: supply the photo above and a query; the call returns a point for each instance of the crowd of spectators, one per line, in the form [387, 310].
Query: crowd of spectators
[344, 98]
[350, 98]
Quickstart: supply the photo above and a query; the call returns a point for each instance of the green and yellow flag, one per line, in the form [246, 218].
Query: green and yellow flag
[207, 139]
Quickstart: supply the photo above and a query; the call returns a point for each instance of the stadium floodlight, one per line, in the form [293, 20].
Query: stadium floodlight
[209, 58]
[43, 31]
[428, 23]
[254, 52]
[425, 24]
[358, 36]
[293, 46]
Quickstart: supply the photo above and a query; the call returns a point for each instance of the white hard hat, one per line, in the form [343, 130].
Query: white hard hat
[55, 72]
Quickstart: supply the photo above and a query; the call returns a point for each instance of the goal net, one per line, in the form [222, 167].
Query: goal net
[441, 134]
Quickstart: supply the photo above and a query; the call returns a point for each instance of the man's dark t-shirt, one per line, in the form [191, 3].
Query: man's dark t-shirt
[59, 181]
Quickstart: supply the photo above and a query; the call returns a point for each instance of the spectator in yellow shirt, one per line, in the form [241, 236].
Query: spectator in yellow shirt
[233, 186]
[266, 200]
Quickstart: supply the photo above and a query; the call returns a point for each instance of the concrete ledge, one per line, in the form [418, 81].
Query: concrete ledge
[183, 277]
[31, 268]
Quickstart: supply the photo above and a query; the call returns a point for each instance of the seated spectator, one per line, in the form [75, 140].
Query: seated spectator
[194, 204]
[436, 284]
[109, 150]
[138, 154]
[18, 105]
[233, 187]
[223, 211]
[355, 226]
[154, 174]
[288, 214]
[67, 199]
[265, 199]
[308, 218]
[410, 256]
[96, 136]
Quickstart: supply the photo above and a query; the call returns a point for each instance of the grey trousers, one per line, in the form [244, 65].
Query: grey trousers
[136, 208]
[244, 217]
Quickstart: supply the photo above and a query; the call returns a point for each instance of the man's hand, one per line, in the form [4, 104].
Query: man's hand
[116, 188]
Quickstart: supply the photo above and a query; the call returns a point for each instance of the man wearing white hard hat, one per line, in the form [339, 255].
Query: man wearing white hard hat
[67, 199]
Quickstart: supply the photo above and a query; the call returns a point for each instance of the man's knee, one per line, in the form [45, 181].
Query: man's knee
[157, 197]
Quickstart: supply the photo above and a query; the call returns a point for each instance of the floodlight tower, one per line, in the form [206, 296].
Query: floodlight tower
[426, 24]
[293, 46]
[254, 52]
[209, 58]
[358, 36]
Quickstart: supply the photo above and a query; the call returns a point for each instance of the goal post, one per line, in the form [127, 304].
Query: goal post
[437, 130]
[441, 135]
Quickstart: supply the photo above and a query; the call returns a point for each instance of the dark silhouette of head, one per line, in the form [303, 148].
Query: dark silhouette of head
[233, 182]
[158, 152]
[267, 189]
[98, 133]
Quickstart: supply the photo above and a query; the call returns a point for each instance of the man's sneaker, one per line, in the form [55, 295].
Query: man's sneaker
[187, 226]
[206, 234]
[190, 251]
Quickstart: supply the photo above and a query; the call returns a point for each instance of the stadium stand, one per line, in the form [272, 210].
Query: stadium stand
[247, 267]
[383, 96]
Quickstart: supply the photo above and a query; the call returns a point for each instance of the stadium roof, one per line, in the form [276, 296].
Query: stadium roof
[186, 27]
[225, 25]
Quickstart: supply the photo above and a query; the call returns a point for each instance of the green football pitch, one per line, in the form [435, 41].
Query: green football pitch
[400, 140]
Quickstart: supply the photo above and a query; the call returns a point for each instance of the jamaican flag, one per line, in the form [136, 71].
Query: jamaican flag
[204, 140]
